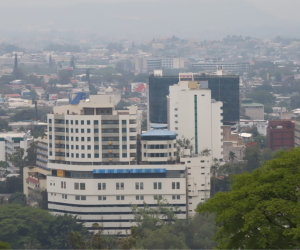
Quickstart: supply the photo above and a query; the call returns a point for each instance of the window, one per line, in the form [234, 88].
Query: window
[101, 186]
[62, 184]
[50, 137]
[96, 138]
[76, 186]
[76, 122]
[82, 155]
[124, 155]
[82, 138]
[88, 130]
[89, 155]
[72, 130]
[141, 185]
[67, 130]
[145, 154]
[72, 155]
[124, 146]
[117, 186]
[77, 147]
[155, 185]
[96, 130]
[77, 155]
[83, 175]
[124, 138]
[122, 197]
[157, 197]
[137, 197]
[71, 122]
[137, 186]
[102, 198]
[50, 145]
[122, 185]
[96, 155]
[50, 120]
[82, 186]
[82, 122]
[178, 185]
[173, 197]
[76, 130]
[82, 130]
[72, 138]
[77, 197]
[88, 138]
[95, 122]
[142, 197]
[77, 138]
[65, 185]
[178, 197]
[50, 128]
[99, 198]
[159, 185]
[118, 197]
[82, 147]
[123, 130]
[96, 146]
[173, 185]
[89, 147]
[124, 121]
[88, 122]
[64, 196]
[83, 198]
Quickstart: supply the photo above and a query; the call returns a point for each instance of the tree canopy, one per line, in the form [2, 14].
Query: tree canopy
[262, 209]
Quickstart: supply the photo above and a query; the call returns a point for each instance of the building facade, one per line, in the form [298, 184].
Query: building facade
[280, 134]
[297, 134]
[224, 88]
[194, 115]
[98, 180]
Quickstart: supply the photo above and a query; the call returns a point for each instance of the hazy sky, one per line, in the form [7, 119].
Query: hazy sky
[286, 9]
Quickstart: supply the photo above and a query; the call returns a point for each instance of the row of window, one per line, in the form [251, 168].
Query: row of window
[159, 146]
[88, 122]
[76, 155]
[118, 197]
[121, 185]
[89, 147]
[124, 130]
[124, 138]
[159, 154]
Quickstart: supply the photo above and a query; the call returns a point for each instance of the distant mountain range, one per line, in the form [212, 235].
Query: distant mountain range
[201, 19]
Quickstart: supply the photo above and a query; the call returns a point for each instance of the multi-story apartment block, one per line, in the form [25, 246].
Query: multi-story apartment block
[224, 88]
[92, 155]
[194, 115]
[10, 142]
[35, 178]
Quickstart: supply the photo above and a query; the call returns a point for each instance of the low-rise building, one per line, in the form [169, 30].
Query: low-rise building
[252, 109]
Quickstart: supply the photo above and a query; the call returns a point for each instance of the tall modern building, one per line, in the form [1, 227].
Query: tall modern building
[224, 88]
[94, 172]
[194, 115]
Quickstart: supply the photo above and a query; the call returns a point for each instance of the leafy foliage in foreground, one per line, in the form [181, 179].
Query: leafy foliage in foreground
[262, 209]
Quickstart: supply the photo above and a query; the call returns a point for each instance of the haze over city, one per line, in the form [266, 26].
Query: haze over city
[149, 124]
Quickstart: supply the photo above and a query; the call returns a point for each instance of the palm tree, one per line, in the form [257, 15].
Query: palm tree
[232, 156]
[205, 152]
[213, 171]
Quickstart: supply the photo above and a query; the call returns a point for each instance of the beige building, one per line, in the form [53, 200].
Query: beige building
[255, 111]
[297, 134]
[35, 178]
[232, 142]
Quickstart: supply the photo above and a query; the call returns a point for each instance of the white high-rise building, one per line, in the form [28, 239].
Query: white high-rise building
[94, 175]
[193, 115]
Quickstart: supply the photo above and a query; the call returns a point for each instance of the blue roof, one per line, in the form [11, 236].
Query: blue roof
[159, 132]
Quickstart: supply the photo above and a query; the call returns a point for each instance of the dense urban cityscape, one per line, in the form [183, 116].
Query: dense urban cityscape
[169, 142]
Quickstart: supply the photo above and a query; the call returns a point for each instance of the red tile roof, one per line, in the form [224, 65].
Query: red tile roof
[32, 180]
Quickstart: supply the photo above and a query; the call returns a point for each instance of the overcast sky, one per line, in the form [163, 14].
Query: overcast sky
[286, 9]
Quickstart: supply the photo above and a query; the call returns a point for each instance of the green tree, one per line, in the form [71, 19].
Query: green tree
[64, 76]
[17, 160]
[3, 125]
[295, 101]
[30, 158]
[4, 245]
[17, 198]
[11, 185]
[253, 158]
[3, 167]
[261, 210]
[263, 97]
[232, 156]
